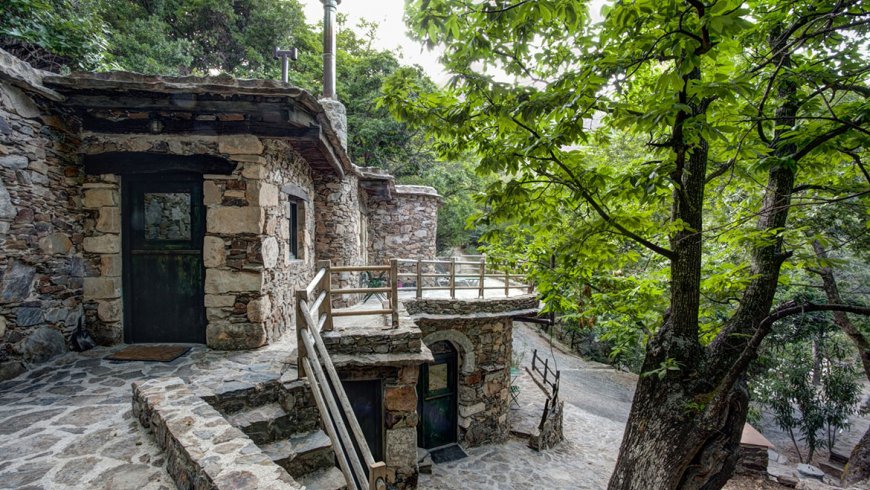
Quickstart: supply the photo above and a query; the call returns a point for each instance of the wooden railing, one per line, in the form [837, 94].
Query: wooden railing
[457, 276]
[313, 314]
[549, 384]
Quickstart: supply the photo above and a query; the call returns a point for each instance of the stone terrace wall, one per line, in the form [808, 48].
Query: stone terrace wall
[41, 266]
[249, 275]
[203, 450]
[404, 227]
[482, 332]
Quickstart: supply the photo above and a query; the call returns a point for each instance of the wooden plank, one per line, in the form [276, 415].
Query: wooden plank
[394, 292]
[419, 279]
[360, 290]
[361, 312]
[309, 290]
[453, 278]
[301, 354]
[326, 286]
[335, 414]
[141, 162]
[360, 268]
[355, 428]
[330, 429]
[378, 476]
[168, 125]
[482, 277]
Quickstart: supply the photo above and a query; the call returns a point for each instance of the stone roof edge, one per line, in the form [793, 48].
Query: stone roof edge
[20, 74]
[418, 190]
[219, 84]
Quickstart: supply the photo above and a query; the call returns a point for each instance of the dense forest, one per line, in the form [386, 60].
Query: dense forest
[698, 170]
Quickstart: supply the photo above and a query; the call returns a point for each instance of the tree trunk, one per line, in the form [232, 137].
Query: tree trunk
[858, 468]
[684, 428]
[670, 442]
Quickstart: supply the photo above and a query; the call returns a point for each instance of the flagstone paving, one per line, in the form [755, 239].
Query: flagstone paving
[70, 424]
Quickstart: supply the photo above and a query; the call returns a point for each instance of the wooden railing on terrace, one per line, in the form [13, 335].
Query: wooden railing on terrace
[454, 275]
[355, 460]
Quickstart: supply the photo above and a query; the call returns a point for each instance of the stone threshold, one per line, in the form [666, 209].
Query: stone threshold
[204, 451]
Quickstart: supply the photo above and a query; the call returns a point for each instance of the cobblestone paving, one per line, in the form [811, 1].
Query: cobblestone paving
[70, 425]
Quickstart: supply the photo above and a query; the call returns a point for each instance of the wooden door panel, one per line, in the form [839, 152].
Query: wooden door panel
[164, 276]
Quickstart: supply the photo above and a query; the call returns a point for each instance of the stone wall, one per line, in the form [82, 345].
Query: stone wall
[337, 206]
[41, 266]
[482, 332]
[250, 278]
[404, 227]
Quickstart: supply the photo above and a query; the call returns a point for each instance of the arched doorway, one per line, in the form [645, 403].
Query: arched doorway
[436, 398]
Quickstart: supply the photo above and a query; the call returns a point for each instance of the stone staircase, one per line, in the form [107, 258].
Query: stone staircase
[282, 419]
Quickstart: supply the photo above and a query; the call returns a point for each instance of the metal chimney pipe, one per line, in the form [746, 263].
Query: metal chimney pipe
[329, 7]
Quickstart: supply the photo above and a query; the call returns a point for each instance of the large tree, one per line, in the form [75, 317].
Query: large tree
[762, 92]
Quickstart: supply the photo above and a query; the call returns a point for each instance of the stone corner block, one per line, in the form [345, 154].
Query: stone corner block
[235, 336]
[101, 287]
[230, 220]
[220, 281]
[240, 144]
[103, 244]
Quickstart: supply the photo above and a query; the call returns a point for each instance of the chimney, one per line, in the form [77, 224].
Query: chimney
[329, 7]
[334, 109]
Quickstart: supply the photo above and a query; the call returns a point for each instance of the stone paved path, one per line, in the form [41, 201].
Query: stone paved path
[70, 425]
[597, 401]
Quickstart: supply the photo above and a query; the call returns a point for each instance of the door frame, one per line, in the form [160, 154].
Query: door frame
[126, 241]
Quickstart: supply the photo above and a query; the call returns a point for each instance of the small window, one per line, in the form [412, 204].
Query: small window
[293, 217]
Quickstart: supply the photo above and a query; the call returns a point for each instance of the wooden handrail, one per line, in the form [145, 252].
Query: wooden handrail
[360, 470]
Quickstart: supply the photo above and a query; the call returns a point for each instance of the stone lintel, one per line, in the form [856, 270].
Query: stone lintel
[476, 316]
[398, 359]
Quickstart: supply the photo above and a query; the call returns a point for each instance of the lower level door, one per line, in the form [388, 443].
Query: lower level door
[436, 398]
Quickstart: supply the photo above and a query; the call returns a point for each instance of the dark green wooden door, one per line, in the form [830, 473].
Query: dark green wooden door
[436, 398]
[164, 221]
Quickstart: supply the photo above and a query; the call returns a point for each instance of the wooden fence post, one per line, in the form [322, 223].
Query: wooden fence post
[452, 277]
[419, 278]
[378, 476]
[326, 285]
[394, 291]
[482, 280]
[300, 326]
[507, 282]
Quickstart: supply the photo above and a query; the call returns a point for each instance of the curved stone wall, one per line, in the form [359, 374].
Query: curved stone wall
[405, 226]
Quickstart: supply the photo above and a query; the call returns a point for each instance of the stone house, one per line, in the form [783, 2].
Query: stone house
[161, 209]
[153, 209]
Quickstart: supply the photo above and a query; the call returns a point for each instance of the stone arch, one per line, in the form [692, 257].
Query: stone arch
[462, 343]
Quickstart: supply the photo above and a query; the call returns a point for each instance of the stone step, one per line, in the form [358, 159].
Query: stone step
[264, 424]
[328, 479]
[303, 453]
[832, 468]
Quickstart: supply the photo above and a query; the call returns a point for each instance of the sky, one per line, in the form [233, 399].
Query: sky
[391, 34]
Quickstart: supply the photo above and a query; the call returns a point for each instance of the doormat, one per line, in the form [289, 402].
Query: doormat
[156, 353]
[447, 454]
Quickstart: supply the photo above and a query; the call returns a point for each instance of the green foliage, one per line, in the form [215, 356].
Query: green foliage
[808, 379]
[66, 28]
[579, 123]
